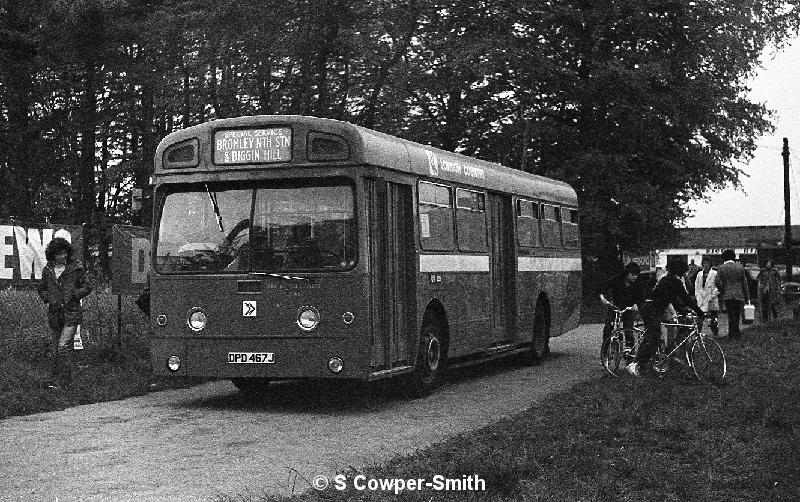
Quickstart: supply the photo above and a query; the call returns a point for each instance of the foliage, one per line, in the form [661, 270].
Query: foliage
[640, 105]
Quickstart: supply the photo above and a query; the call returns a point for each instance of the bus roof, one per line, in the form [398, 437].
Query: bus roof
[368, 147]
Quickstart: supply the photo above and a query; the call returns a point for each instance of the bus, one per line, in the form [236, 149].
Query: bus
[294, 247]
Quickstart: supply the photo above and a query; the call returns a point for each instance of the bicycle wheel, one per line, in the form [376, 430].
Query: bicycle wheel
[707, 359]
[612, 355]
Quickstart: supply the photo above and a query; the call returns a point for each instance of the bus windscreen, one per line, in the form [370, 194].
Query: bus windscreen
[217, 229]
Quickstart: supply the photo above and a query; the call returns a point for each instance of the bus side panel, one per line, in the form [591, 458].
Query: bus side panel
[560, 287]
[467, 305]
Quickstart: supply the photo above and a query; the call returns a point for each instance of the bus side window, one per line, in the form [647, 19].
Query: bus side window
[435, 217]
[527, 223]
[471, 220]
[551, 227]
[569, 228]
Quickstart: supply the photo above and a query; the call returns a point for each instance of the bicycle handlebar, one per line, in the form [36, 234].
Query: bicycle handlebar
[617, 309]
[688, 320]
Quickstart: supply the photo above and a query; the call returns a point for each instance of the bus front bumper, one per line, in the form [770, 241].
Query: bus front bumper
[273, 358]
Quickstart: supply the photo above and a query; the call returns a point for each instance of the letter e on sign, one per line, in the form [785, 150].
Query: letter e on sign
[249, 308]
[6, 252]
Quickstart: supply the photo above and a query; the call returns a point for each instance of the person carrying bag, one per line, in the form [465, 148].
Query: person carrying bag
[62, 288]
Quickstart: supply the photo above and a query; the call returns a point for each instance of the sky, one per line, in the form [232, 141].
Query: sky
[759, 201]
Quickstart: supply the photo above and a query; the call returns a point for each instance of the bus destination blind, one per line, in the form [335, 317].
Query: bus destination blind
[252, 146]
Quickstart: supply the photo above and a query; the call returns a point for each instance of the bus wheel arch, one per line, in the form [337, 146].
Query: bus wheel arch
[540, 336]
[431, 357]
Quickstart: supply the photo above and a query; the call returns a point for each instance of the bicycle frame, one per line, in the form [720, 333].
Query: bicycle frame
[661, 358]
[616, 351]
[694, 338]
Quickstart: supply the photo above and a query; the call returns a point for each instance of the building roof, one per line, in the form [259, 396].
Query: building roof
[733, 237]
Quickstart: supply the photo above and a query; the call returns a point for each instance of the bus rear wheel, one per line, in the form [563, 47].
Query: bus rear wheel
[430, 358]
[256, 387]
[540, 345]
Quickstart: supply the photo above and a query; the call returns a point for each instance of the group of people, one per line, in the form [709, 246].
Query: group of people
[727, 285]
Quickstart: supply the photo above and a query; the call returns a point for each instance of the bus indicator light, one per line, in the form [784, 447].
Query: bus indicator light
[336, 364]
[174, 363]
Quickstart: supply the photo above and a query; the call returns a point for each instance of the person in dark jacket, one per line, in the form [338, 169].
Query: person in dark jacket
[669, 290]
[769, 284]
[731, 281]
[622, 291]
[62, 287]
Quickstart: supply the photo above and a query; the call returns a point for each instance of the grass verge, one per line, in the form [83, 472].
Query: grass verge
[108, 373]
[667, 439]
[116, 365]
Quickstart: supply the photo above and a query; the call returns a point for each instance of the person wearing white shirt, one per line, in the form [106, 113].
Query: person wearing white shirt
[706, 293]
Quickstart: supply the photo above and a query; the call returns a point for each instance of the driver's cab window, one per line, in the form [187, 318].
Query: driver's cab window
[304, 228]
[204, 230]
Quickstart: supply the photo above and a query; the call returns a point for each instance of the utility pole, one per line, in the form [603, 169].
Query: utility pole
[787, 238]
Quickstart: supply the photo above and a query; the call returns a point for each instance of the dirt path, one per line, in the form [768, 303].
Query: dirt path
[193, 444]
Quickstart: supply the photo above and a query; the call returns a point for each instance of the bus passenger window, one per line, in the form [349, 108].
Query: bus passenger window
[527, 223]
[551, 227]
[435, 217]
[569, 228]
[471, 220]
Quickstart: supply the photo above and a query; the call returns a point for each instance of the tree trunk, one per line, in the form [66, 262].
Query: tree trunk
[145, 167]
[15, 194]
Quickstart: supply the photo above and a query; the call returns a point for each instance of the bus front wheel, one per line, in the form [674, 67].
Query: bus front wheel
[430, 358]
[255, 387]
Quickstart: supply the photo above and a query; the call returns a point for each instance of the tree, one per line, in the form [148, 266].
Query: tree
[639, 104]
[19, 142]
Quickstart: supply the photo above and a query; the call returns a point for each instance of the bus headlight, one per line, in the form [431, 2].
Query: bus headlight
[196, 319]
[174, 363]
[307, 318]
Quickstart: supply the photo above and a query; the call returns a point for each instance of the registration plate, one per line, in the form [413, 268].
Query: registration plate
[251, 357]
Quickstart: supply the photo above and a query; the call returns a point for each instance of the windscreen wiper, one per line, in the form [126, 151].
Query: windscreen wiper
[213, 197]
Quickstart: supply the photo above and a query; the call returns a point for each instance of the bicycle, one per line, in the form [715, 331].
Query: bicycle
[615, 354]
[703, 354]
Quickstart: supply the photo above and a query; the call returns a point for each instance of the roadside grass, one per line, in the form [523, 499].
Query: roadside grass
[116, 366]
[667, 439]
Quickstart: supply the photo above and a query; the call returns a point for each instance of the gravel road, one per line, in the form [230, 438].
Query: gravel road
[195, 444]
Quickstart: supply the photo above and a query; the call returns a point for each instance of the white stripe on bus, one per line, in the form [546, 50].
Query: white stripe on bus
[542, 264]
[480, 263]
[453, 263]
